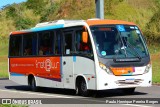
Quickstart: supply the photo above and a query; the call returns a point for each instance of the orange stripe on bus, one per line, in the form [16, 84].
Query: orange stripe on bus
[103, 22]
[18, 32]
[43, 67]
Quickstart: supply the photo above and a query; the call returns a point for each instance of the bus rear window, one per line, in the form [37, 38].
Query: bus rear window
[15, 45]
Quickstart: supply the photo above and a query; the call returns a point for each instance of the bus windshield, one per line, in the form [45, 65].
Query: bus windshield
[119, 41]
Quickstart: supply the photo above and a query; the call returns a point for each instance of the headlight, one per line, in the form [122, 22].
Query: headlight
[105, 68]
[148, 67]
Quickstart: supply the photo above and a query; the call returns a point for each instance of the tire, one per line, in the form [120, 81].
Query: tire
[82, 88]
[33, 85]
[128, 90]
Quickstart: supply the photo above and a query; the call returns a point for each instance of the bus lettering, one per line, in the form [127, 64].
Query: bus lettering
[47, 64]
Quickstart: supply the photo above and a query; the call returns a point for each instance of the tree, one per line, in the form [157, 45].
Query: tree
[37, 5]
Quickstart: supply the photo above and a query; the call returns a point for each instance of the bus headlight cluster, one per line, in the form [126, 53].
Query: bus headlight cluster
[147, 68]
[105, 68]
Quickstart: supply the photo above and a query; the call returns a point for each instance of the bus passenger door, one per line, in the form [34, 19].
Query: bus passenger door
[67, 60]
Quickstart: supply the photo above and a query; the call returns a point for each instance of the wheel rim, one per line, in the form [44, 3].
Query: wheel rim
[33, 84]
[83, 86]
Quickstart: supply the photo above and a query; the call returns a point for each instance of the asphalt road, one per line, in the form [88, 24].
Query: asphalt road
[9, 89]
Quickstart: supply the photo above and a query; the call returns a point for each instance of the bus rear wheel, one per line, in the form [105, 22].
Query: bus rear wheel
[33, 84]
[82, 88]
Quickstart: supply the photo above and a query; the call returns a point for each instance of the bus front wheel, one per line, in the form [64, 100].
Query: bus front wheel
[82, 88]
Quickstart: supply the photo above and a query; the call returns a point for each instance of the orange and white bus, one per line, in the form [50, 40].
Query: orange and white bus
[82, 55]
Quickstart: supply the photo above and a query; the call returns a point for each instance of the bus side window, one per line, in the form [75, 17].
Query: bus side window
[45, 43]
[15, 45]
[80, 47]
[78, 41]
[58, 43]
[29, 44]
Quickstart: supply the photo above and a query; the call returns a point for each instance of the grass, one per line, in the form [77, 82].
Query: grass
[3, 59]
[12, 105]
[156, 67]
[4, 47]
[3, 66]
[154, 49]
[155, 58]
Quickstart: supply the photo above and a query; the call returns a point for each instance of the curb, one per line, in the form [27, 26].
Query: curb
[4, 78]
[156, 84]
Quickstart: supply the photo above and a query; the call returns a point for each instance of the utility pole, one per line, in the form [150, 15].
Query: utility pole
[99, 9]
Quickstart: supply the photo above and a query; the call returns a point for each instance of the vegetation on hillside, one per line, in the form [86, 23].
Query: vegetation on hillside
[145, 13]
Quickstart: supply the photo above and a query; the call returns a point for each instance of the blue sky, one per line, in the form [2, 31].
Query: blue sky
[5, 2]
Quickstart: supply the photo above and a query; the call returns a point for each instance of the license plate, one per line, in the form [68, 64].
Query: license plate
[130, 80]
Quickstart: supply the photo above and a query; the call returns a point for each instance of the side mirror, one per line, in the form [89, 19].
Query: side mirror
[84, 37]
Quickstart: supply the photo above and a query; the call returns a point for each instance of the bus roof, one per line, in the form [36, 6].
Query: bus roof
[50, 25]
[66, 23]
[104, 22]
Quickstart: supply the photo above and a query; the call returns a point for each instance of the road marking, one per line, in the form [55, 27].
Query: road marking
[33, 93]
[135, 105]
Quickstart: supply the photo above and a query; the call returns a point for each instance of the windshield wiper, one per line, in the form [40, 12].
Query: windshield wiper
[125, 51]
[120, 41]
[123, 46]
[133, 47]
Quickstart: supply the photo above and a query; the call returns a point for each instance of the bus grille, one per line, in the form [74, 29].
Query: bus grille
[124, 82]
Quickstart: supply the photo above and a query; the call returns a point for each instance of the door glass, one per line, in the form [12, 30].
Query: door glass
[68, 43]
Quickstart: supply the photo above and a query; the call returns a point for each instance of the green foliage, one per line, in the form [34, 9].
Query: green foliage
[3, 57]
[154, 49]
[38, 6]
[153, 29]
[11, 11]
[23, 23]
[12, 105]
[22, 17]
[6, 26]
[73, 9]
[51, 9]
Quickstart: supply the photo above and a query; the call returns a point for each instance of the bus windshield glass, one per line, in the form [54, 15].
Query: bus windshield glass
[119, 41]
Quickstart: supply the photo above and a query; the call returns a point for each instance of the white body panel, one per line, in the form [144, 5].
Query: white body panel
[23, 80]
[113, 82]
[43, 82]
[102, 78]
[67, 72]
[86, 68]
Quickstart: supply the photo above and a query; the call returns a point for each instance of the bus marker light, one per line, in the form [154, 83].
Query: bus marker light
[92, 77]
